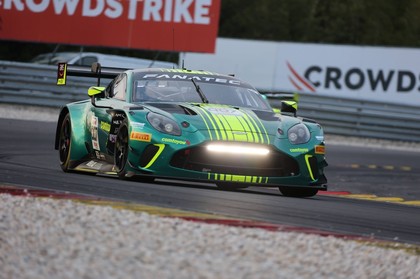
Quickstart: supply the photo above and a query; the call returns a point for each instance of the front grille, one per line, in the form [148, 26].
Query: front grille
[200, 159]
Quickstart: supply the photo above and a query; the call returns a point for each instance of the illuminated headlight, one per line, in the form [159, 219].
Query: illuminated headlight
[299, 134]
[237, 149]
[163, 124]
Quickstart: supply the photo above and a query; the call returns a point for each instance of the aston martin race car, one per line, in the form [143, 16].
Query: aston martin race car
[188, 125]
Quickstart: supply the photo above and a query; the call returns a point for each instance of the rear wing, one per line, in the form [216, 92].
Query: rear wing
[95, 71]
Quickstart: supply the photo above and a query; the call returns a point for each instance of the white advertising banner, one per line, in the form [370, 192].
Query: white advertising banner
[367, 73]
[383, 74]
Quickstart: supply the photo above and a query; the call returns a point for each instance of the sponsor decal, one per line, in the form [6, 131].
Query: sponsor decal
[141, 136]
[94, 165]
[175, 141]
[320, 138]
[224, 111]
[61, 73]
[138, 125]
[354, 78]
[105, 126]
[299, 150]
[113, 138]
[189, 77]
[94, 132]
[319, 149]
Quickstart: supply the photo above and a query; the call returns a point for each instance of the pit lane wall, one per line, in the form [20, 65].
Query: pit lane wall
[32, 84]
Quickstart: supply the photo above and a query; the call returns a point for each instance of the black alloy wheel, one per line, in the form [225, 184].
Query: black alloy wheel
[121, 151]
[65, 143]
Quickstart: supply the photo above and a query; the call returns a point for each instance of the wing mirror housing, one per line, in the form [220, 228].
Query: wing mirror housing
[96, 92]
[289, 107]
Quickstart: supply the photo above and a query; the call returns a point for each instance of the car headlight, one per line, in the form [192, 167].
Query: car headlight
[163, 124]
[299, 134]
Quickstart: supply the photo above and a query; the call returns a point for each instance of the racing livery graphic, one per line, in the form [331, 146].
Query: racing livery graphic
[189, 125]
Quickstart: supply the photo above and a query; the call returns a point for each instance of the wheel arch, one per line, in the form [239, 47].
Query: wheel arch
[61, 116]
[117, 118]
[78, 113]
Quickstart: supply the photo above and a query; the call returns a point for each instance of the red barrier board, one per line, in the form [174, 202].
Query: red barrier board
[168, 25]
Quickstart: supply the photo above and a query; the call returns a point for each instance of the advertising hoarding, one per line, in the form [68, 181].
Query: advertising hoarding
[168, 25]
[366, 73]
[383, 74]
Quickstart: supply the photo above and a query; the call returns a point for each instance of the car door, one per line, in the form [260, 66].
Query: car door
[101, 120]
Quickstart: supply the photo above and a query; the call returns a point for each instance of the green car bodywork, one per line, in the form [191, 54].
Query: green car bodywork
[193, 130]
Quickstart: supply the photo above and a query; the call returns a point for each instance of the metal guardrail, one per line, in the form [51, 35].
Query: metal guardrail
[32, 84]
[359, 118]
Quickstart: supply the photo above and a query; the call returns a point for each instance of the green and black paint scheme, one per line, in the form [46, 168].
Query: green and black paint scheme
[119, 132]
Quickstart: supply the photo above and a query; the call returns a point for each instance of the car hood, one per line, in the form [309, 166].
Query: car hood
[224, 122]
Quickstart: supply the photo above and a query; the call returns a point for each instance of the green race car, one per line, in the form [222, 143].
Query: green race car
[190, 125]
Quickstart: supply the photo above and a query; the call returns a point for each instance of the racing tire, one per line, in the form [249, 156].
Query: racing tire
[121, 151]
[227, 186]
[64, 143]
[298, 192]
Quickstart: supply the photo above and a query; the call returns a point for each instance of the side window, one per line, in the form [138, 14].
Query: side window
[120, 87]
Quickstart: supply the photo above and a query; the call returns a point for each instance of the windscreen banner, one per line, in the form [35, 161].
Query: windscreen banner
[167, 25]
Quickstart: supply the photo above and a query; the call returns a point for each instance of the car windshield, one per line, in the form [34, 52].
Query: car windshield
[185, 91]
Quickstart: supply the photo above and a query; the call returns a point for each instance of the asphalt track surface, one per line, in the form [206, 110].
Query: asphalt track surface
[28, 158]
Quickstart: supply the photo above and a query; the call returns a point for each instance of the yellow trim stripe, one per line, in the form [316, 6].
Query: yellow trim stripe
[309, 166]
[205, 122]
[265, 131]
[248, 129]
[237, 178]
[255, 126]
[225, 125]
[223, 130]
[161, 147]
[211, 121]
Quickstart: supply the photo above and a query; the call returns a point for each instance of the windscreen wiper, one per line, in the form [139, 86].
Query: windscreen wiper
[200, 92]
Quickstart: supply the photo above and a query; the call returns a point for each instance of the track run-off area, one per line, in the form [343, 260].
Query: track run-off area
[72, 225]
[373, 190]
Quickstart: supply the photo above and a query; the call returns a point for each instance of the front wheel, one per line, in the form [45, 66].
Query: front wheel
[64, 142]
[298, 192]
[121, 151]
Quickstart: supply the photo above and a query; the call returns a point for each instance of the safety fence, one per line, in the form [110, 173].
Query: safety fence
[32, 84]
[360, 118]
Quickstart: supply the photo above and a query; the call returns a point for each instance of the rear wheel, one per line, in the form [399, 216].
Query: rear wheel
[298, 192]
[64, 142]
[121, 151]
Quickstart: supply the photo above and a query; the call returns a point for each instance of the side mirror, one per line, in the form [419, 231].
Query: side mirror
[289, 106]
[95, 91]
